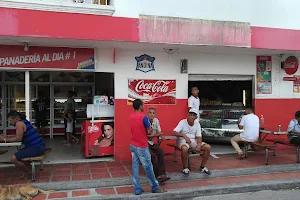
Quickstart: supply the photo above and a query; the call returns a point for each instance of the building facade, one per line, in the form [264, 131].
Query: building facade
[220, 41]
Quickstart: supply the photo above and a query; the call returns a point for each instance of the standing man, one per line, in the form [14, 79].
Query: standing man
[40, 108]
[194, 101]
[189, 136]
[250, 124]
[140, 128]
[25, 133]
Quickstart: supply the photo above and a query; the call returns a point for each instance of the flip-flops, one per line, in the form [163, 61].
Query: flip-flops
[241, 156]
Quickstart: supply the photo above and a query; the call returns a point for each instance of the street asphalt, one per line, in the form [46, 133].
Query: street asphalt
[261, 195]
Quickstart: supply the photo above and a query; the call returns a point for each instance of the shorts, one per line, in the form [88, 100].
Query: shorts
[193, 145]
[41, 121]
[31, 151]
[69, 129]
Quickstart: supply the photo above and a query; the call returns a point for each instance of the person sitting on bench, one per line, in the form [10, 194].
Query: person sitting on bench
[157, 154]
[189, 136]
[250, 124]
[25, 133]
[294, 129]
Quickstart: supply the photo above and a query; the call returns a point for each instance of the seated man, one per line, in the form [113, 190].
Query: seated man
[157, 154]
[250, 123]
[189, 136]
[25, 133]
[294, 129]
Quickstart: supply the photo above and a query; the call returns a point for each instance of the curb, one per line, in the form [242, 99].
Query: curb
[205, 191]
[114, 182]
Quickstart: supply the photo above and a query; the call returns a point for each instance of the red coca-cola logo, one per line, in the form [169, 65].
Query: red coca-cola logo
[152, 91]
[93, 129]
[291, 65]
[158, 86]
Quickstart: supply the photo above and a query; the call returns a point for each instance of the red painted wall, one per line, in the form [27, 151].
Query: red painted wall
[45, 24]
[193, 31]
[32, 23]
[169, 116]
[275, 38]
[277, 112]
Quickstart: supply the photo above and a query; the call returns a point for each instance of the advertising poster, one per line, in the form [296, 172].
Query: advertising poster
[154, 92]
[98, 140]
[297, 85]
[264, 74]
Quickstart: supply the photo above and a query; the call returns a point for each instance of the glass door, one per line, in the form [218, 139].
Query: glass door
[1, 108]
[59, 97]
[15, 99]
[41, 92]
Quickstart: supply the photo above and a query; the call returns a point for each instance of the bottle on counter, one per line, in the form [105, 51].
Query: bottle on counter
[279, 128]
[261, 123]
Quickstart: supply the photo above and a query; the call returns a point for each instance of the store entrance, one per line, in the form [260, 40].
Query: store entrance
[222, 102]
[54, 86]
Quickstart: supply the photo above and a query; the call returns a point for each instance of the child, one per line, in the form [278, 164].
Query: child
[69, 129]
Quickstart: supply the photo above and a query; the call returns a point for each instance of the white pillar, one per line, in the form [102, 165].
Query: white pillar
[27, 95]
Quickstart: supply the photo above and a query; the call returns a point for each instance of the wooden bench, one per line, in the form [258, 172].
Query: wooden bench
[266, 147]
[287, 143]
[3, 152]
[175, 146]
[33, 161]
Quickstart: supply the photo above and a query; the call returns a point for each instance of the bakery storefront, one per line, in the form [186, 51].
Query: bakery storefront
[28, 72]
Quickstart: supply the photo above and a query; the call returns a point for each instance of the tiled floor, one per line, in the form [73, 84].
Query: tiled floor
[104, 170]
[73, 154]
[169, 186]
[60, 153]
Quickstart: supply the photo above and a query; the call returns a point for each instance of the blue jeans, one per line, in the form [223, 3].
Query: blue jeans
[142, 155]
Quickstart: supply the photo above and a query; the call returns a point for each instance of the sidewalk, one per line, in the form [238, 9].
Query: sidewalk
[114, 178]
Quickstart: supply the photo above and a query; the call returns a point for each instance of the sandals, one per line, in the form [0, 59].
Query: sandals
[241, 156]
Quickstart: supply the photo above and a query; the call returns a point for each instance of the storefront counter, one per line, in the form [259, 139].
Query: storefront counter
[219, 122]
[215, 135]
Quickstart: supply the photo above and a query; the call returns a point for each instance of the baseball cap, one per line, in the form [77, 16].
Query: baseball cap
[193, 110]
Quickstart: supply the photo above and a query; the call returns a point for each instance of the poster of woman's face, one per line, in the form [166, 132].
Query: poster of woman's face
[107, 129]
[107, 135]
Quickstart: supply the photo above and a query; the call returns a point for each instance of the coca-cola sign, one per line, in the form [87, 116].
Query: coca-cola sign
[92, 129]
[291, 65]
[152, 91]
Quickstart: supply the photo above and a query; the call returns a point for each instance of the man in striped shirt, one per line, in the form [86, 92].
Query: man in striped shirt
[25, 133]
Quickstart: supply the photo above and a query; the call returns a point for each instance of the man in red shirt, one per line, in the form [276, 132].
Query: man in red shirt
[140, 128]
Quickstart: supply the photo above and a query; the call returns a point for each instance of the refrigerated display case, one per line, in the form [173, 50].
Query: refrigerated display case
[219, 120]
[99, 127]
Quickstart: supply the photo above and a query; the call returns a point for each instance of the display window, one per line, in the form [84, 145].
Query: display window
[222, 103]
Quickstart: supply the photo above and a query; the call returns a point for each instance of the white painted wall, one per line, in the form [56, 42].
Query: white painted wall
[280, 89]
[198, 63]
[265, 13]
[125, 65]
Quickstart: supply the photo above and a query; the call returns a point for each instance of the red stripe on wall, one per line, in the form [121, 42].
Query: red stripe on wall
[274, 38]
[168, 115]
[277, 112]
[32, 23]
